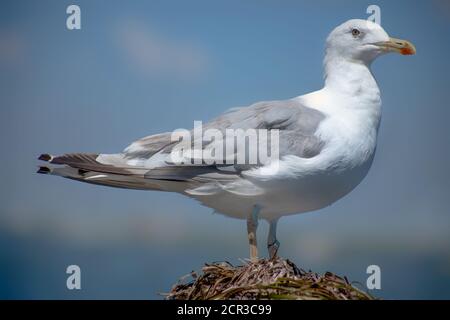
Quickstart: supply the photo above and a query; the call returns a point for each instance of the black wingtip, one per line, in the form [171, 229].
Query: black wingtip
[45, 157]
[43, 170]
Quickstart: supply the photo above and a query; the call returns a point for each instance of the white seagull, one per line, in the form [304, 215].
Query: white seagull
[327, 141]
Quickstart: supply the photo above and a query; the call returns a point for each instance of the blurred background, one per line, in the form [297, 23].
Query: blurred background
[142, 67]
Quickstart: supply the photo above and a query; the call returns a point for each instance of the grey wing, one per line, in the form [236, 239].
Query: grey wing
[296, 123]
[149, 146]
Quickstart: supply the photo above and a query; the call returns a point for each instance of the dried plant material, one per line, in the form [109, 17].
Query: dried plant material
[264, 279]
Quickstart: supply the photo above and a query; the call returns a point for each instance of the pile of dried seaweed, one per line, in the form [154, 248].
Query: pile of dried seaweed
[264, 279]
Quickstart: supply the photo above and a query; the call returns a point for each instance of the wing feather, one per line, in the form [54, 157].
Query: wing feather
[296, 123]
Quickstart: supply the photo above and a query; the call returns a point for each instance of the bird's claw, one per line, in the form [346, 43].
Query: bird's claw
[273, 249]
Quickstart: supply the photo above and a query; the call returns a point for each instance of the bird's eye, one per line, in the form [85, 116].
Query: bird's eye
[355, 32]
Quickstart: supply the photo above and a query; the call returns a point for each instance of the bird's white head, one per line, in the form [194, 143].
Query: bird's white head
[363, 41]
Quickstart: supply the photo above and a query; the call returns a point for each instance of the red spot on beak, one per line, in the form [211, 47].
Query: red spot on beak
[407, 51]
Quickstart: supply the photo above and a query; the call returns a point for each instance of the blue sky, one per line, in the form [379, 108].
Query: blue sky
[144, 67]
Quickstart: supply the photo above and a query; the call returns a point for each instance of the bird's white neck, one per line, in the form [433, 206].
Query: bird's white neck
[353, 88]
[351, 78]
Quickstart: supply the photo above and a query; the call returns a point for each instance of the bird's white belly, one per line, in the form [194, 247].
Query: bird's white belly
[312, 192]
[290, 195]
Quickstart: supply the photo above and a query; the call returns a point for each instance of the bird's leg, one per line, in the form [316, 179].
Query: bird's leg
[272, 243]
[252, 225]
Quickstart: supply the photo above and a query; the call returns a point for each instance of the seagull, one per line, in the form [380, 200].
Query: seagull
[326, 141]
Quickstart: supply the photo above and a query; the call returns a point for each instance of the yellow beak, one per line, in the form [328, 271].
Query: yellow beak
[398, 45]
